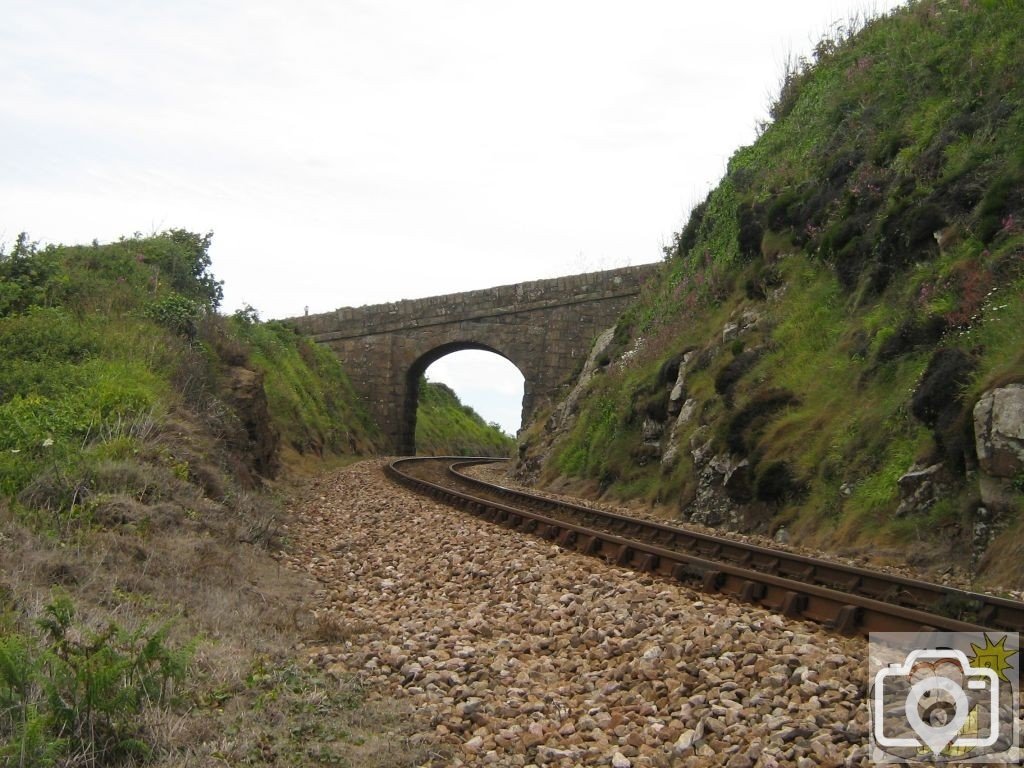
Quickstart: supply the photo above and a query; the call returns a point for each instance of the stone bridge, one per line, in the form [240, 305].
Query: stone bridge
[545, 328]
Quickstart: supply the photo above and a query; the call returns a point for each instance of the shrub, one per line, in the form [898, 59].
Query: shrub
[750, 232]
[734, 370]
[851, 261]
[784, 210]
[69, 694]
[776, 483]
[764, 279]
[177, 314]
[1003, 197]
[941, 387]
[913, 333]
[753, 415]
[687, 237]
[655, 406]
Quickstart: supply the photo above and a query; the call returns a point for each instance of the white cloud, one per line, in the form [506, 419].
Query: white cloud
[348, 152]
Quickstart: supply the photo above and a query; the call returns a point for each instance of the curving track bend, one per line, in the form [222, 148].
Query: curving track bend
[844, 598]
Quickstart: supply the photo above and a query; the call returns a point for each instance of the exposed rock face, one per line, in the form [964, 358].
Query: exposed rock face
[748, 321]
[682, 407]
[722, 480]
[533, 457]
[570, 406]
[999, 441]
[249, 402]
[999, 431]
[920, 487]
[678, 393]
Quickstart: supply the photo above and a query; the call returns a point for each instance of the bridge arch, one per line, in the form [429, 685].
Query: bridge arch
[545, 328]
[410, 400]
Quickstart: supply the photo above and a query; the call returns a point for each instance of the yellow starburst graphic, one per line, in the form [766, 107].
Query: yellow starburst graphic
[994, 656]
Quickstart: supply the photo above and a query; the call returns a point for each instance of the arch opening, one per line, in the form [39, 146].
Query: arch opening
[483, 379]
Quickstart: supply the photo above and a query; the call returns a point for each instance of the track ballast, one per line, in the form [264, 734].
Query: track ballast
[845, 598]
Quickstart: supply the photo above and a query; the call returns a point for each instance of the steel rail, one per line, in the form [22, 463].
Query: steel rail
[845, 598]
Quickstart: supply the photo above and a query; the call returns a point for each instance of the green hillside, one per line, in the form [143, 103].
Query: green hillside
[108, 348]
[829, 317]
[446, 427]
[141, 605]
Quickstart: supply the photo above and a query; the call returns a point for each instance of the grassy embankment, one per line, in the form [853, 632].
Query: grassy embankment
[876, 230]
[143, 617]
[446, 427]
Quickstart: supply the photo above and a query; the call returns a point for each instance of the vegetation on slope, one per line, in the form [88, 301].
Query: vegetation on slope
[847, 292]
[143, 616]
[446, 427]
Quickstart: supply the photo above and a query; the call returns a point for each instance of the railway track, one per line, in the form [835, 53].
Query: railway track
[844, 598]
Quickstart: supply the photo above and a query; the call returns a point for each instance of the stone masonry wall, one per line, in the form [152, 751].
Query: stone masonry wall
[544, 327]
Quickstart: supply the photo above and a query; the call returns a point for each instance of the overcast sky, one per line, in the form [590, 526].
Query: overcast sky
[348, 153]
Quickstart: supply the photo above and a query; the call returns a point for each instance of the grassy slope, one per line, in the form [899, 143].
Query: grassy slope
[130, 489]
[446, 427]
[913, 127]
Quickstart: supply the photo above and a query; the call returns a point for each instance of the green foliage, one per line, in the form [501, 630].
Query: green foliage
[27, 278]
[95, 339]
[309, 396]
[68, 691]
[878, 218]
[447, 427]
[177, 314]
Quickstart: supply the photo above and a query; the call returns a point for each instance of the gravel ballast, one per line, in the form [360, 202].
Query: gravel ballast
[516, 652]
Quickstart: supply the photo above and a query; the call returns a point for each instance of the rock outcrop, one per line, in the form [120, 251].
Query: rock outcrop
[532, 457]
[258, 441]
[999, 442]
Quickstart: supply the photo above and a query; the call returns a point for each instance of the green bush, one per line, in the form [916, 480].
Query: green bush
[70, 696]
[176, 313]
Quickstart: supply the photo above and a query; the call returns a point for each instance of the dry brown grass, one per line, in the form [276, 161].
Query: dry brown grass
[148, 549]
[330, 628]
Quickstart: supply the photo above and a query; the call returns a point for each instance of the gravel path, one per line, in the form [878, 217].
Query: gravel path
[517, 652]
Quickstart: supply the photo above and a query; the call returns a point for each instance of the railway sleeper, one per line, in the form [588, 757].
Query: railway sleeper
[587, 545]
[847, 621]
[709, 549]
[793, 604]
[794, 571]
[688, 572]
[712, 580]
[752, 591]
[624, 556]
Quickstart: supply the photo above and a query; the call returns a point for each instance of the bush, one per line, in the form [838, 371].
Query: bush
[752, 416]
[72, 696]
[750, 232]
[913, 333]
[1002, 198]
[776, 483]
[941, 387]
[177, 314]
[734, 370]
[784, 210]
